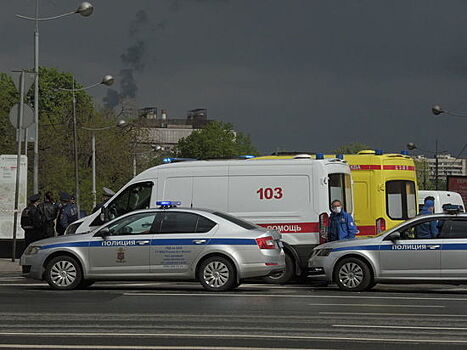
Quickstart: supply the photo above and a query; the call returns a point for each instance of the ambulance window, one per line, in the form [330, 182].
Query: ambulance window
[340, 188]
[400, 199]
[135, 197]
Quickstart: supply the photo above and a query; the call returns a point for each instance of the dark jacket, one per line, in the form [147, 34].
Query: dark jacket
[31, 224]
[341, 226]
[428, 229]
[48, 212]
[68, 214]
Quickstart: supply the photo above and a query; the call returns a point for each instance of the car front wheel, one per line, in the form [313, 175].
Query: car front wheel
[63, 272]
[353, 275]
[217, 274]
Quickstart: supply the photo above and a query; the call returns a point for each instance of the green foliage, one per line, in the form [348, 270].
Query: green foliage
[217, 140]
[114, 146]
[351, 148]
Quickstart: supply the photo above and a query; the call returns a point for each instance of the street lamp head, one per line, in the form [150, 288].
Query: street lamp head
[107, 80]
[437, 110]
[411, 146]
[85, 9]
[121, 123]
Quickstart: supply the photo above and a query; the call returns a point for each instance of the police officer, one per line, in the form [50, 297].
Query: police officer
[30, 221]
[341, 224]
[107, 193]
[428, 229]
[68, 213]
[48, 211]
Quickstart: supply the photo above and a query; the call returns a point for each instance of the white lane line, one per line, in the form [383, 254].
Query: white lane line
[139, 347]
[231, 336]
[23, 285]
[382, 314]
[379, 305]
[401, 327]
[239, 294]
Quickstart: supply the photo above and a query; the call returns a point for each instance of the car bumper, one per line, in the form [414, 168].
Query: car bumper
[320, 267]
[32, 266]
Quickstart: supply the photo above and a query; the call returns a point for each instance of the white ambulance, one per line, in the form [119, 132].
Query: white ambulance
[292, 196]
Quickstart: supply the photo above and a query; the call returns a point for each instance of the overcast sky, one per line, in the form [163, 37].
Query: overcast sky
[294, 74]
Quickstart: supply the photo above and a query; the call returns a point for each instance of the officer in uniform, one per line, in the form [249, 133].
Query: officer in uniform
[31, 221]
[48, 211]
[68, 213]
[107, 193]
[341, 224]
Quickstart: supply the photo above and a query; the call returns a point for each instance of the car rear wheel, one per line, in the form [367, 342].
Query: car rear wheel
[353, 274]
[283, 276]
[63, 272]
[217, 274]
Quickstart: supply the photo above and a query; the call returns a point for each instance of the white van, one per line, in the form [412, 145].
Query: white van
[292, 196]
[441, 198]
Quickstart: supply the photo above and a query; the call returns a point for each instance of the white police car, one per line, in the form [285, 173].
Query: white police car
[428, 248]
[215, 248]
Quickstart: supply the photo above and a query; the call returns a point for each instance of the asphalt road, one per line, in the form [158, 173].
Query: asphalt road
[161, 315]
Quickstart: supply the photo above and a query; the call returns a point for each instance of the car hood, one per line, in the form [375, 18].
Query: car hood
[62, 239]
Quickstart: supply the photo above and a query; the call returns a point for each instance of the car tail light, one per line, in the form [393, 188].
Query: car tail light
[380, 225]
[266, 242]
[323, 228]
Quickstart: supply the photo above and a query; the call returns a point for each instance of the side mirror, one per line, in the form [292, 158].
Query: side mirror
[104, 215]
[104, 232]
[394, 237]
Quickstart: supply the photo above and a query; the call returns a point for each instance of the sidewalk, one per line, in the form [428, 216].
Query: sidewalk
[7, 267]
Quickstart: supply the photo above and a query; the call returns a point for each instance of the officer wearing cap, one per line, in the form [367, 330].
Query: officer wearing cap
[31, 221]
[67, 214]
[107, 193]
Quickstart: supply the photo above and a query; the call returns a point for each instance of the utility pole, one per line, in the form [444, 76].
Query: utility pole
[18, 164]
[436, 165]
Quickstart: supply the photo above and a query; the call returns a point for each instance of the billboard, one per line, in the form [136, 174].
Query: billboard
[458, 183]
[7, 194]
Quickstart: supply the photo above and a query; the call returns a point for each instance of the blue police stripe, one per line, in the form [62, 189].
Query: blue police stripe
[212, 241]
[68, 245]
[155, 242]
[448, 246]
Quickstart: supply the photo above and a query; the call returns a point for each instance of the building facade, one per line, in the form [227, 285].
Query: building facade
[447, 165]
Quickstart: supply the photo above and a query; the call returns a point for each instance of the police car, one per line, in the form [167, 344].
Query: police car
[428, 248]
[215, 248]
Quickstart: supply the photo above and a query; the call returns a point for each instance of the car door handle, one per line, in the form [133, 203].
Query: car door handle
[143, 242]
[199, 241]
[433, 247]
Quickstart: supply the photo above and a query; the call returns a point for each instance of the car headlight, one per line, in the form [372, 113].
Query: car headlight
[323, 252]
[32, 250]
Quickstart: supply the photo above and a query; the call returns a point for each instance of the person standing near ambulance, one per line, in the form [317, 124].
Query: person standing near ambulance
[341, 223]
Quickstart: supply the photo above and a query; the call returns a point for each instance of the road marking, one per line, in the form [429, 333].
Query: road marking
[380, 305]
[138, 347]
[388, 314]
[240, 294]
[401, 327]
[230, 336]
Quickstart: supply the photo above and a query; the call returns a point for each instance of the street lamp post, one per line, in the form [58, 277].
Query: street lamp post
[85, 9]
[121, 123]
[438, 110]
[106, 80]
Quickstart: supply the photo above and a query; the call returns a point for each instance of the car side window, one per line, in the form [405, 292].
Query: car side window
[181, 222]
[455, 229]
[428, 229]
[137, 224]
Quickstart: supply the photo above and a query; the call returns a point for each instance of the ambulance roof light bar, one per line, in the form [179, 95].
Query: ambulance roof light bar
[379, 152]
[168, 204]
[319, 155]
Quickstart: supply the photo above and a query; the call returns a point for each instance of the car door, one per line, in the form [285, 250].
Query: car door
[454, 249]
[180, 238]
[125, 249]
[417, 254]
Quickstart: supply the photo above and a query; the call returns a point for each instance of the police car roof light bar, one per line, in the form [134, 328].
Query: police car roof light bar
[168, 204]
[319, 155]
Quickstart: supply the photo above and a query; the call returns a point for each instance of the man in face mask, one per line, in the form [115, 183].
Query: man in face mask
[341, 224]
